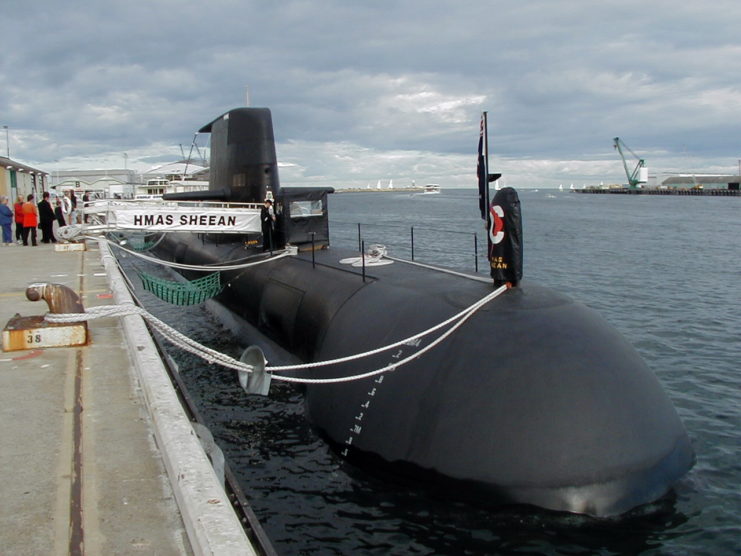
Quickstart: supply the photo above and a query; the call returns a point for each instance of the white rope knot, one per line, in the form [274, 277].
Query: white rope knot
[376, 252]
[374, 256]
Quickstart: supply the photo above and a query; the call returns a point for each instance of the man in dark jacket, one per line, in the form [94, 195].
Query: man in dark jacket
[267, 220]
[59, 213]
[46, 219]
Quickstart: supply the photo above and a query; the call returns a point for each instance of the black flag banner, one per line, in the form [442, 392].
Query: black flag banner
[481, 171]
[505, 237]
[482, 168]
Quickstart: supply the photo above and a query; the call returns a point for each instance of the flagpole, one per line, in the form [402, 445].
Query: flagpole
[486, 164]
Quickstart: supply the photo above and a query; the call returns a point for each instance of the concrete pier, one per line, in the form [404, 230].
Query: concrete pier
[97, 456]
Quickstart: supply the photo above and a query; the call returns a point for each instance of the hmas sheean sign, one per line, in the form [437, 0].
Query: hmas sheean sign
[197, 217]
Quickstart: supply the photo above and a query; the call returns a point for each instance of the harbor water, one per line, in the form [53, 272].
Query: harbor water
[663, 270]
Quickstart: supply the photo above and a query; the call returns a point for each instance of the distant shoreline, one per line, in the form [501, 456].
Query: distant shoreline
[376, 190]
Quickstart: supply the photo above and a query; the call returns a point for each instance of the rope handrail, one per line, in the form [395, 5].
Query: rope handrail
[209, 268]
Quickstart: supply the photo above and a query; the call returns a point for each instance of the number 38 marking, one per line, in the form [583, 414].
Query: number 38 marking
[33, 338]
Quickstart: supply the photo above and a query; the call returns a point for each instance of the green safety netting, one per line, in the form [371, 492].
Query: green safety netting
[138, 244]
[182, 293]
[141, 242]
[136, 241]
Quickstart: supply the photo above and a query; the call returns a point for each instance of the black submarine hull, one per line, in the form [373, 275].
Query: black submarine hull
[534, 400]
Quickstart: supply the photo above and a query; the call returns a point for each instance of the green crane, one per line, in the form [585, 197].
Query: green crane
[640, 172]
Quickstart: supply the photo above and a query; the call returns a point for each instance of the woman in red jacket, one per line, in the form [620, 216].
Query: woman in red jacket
[18, 216]
[30, 220]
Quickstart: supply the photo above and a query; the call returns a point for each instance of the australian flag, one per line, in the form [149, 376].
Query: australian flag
[481, 173]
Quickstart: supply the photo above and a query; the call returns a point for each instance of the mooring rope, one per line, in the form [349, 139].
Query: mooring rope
[392, 366]
[177, 338]
[213, 356]
[464, 314]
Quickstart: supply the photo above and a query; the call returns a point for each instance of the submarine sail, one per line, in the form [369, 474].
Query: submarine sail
[535, 399]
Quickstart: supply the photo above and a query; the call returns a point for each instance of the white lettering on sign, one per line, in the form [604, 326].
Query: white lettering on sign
[184, 220]
[188, 219]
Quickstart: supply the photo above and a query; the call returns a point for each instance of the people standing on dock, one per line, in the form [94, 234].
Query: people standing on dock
[67, 207]
[6, 221]
[73, 212]
[18, 211]
[30, 220]
[85, 201]
[46, 219]
[59, 213]
[267, 220]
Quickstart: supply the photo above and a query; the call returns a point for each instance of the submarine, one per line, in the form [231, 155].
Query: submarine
[533, 399]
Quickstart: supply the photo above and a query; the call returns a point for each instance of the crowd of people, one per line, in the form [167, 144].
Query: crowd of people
[28, 216]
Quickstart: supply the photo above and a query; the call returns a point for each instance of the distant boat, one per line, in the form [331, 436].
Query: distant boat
[560, 187]
[155, 188]
[431, 189]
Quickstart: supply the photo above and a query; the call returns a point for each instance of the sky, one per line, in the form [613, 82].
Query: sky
[362, 91]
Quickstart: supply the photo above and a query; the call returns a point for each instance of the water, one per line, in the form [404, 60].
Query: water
[663, 270]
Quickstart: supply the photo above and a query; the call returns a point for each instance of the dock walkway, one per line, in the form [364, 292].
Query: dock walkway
[90, 440]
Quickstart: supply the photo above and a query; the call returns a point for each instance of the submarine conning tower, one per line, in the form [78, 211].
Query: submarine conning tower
[243, 161]
[244, 169]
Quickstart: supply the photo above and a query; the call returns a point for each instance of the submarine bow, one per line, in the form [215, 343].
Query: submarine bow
[534, 400]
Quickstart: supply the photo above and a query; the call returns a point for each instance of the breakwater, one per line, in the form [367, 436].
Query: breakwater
[662, 191]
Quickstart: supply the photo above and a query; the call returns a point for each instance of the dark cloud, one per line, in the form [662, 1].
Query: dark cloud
[367, 90]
